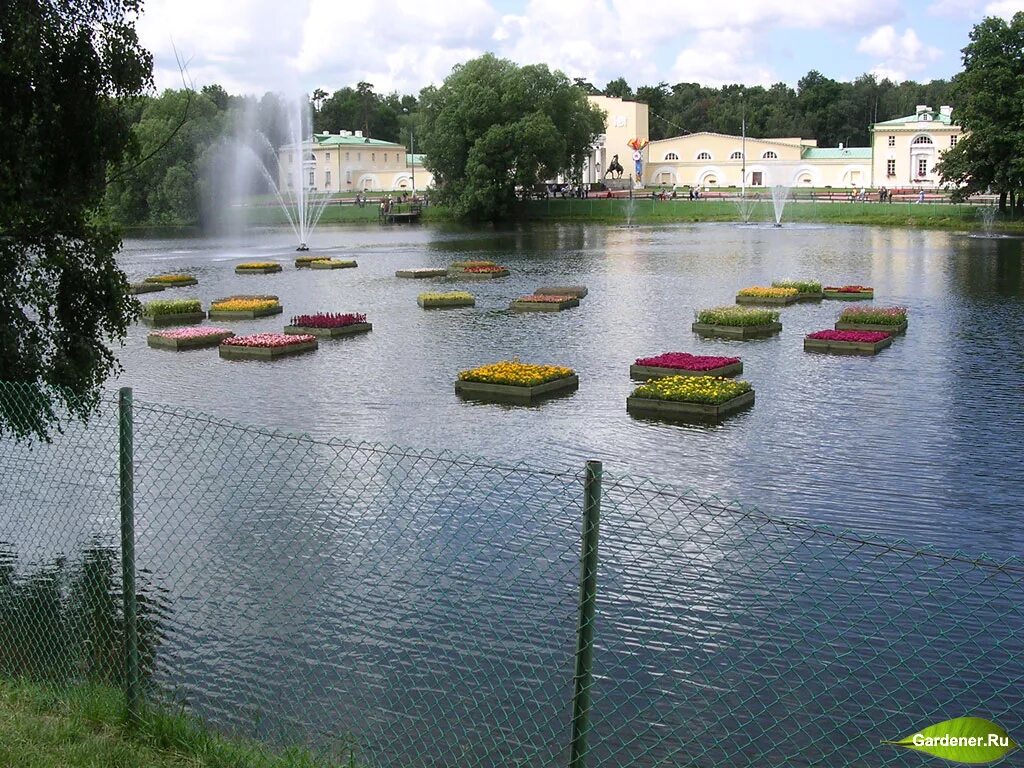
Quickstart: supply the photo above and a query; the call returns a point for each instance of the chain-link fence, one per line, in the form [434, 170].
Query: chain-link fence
[416, 608]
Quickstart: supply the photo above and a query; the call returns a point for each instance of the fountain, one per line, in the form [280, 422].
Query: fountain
[253, 155]
[780, 194]
[987, 214]
[746, 206]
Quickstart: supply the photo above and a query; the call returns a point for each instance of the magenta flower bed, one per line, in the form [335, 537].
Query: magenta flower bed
[687, 362]
[191, 333]
[268, 340]
[328, 320]
[867, 337]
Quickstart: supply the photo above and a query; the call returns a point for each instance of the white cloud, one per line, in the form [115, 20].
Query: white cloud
[955, 8]
[1004, 8]
[720, 57]
[901, 56]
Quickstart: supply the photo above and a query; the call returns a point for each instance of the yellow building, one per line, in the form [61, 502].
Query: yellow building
[349, 162]
[624, 120]
[907, 149]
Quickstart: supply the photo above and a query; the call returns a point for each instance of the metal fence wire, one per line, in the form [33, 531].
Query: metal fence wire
[414, 608]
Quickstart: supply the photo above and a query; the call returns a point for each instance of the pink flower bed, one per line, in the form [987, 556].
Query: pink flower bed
[687, 362]
[869, 337]
[192, 333]
[268, 340]
[328, 320]
[848, 288]
[545, 299]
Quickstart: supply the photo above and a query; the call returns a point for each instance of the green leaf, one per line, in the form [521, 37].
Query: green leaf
[971, 740]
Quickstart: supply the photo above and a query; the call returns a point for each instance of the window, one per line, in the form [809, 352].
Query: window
[890, 167]
[892, 141]
[348, 177]
[952, 141]
[328, 156]
[922, 167]
[704, 156]
[671, 156]
[359, 157]
[346, 156]
[736, 156]
[769, 155]
[373, 157]
[757, 178]
[327, 178]
[923, 140]
[311, 179]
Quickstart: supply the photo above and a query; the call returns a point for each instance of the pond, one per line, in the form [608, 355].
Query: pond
[917, 442]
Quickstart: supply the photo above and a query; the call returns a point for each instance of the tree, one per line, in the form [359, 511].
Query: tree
[990, 97]
[63, 68]
[493, 128]
[619, 88]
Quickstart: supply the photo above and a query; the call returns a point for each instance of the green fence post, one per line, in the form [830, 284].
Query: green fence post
[131, 626]
[588, 606]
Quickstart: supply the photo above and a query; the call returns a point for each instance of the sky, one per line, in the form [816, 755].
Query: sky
[295, 46]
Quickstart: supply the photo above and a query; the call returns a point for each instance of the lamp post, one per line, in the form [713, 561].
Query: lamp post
[412, 153]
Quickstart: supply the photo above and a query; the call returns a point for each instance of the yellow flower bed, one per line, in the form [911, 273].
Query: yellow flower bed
[257, 265]
[516, 374]
[449, 296]
[244, 305]
[713, 390]
[765, 292]
[473, 263]
[168, 278]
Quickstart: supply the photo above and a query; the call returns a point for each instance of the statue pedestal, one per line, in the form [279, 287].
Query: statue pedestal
[616, 185]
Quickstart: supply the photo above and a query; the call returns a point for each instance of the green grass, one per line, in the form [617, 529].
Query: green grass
[84, 727]
[171, 307]
[737, 316]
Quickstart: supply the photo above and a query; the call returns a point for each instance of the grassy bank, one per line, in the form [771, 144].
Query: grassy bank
[648, 211]
[48, 727]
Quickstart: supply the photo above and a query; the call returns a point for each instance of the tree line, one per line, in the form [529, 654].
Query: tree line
[169, 188]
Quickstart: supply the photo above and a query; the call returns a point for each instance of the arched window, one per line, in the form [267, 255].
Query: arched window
[671, 156]
[704, 156]
[736, 156]
[923, 140]
[769, 155]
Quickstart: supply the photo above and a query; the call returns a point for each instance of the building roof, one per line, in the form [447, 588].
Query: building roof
[834, 153]
[330, 139]
[936, 117]
[416, 159]
[782, 142]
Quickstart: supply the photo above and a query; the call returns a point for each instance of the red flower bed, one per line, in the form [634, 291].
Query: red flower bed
[484, 268]
[687, 362]
[545, 299]
[848, 288]
[268, 340]
[869, 337]
[328, 320]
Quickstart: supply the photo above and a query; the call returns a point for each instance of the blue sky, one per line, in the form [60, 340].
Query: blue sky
[251, 46]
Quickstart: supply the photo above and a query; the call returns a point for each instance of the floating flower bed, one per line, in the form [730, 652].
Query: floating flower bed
[513, 381]
[461, 266]
[442, 300]
[136, 288]
[266, 346]
[544, 303]
[684, 364]
[848, 292]
[329, 324]
[737, 322]
[257, 268]
[188, 338]
[847, 342]
[248, 308]
[421, 272]
[887, 319]
[302, 262]
[171, 281]
[690, 397]
[483, 272]
[760, 294]
[332, 264]
[172, 312]
[576, 291]
[806, 290]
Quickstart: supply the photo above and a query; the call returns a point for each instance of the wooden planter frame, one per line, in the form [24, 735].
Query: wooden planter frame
[505, 393]
[195, 342]
[174, 318]
[232, 352]
[329, 333]
[846, 347]
[683, 411]
[741, 332]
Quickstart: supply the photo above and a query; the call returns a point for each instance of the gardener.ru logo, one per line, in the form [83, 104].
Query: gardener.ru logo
[970, 740]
